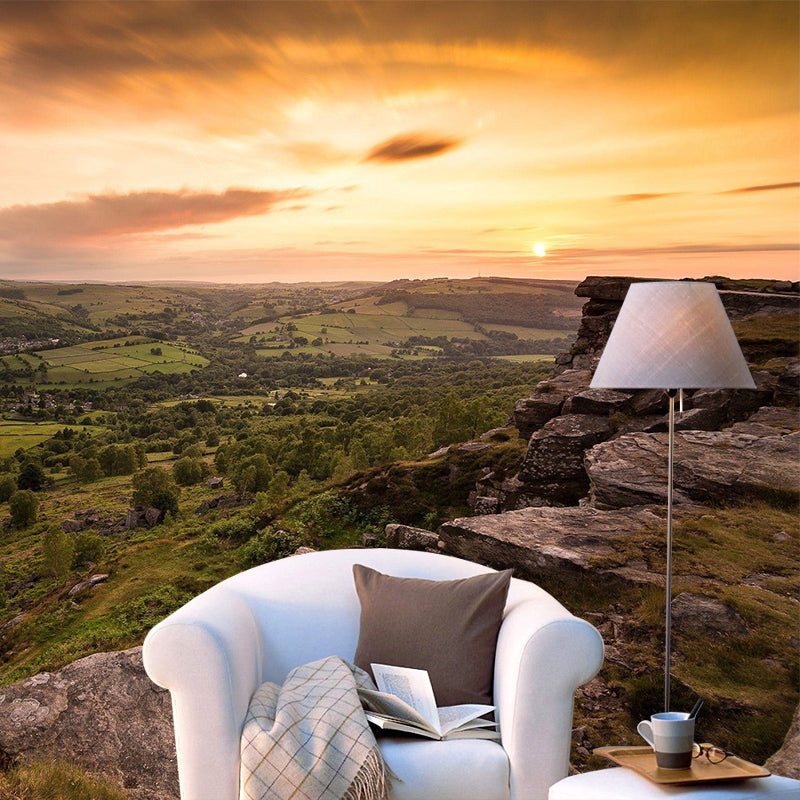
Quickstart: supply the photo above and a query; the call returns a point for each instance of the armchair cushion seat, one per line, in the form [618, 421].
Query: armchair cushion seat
[456, 769]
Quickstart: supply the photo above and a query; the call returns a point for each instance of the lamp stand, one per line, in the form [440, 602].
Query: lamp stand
[671, 450]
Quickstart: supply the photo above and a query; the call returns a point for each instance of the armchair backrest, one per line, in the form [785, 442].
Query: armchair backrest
[306, 606]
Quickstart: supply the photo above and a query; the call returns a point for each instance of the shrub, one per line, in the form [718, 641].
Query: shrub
[187, 471]
[235, 530]
[24, 506]
[267, 546]
[58, 550]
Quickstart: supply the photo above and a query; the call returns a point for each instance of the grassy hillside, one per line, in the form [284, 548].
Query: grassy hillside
[321, 444]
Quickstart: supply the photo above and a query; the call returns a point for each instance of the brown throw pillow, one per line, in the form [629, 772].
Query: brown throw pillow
[446, 627]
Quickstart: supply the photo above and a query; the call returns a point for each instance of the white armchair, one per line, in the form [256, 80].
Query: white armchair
[216, 650]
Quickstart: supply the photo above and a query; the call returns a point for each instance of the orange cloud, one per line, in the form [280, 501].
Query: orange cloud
[98, 216]
[635, 198]
[409, 147]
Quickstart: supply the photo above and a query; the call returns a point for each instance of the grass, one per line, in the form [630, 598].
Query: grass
[768, 326]
[151, 574]
[55, 780]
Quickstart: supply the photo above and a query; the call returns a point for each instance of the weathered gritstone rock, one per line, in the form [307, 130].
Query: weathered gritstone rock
[597, 401]
[101, 712]
[405, 537]
[787, 390]
[553, 465]
[787, 760]
[782, 420]
[540, 542]
[709, 466]
[704, 615]
[532, 412]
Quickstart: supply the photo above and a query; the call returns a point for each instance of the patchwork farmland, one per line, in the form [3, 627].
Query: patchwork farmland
[102, 362]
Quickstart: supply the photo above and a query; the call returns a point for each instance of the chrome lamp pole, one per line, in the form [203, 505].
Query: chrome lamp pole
[672, 334]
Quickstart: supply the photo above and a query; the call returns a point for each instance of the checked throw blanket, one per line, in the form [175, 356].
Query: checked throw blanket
[309, 739]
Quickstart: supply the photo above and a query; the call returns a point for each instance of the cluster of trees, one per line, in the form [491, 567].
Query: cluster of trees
[501, 307]
[499, 343]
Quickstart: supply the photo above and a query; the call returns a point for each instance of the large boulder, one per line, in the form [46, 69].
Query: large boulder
[787, 760]
[597, 401]
[706, 616]
[710, 466]
[553, 464]
[530, 413]
[101, 712]
[544, 542]
[405, 537]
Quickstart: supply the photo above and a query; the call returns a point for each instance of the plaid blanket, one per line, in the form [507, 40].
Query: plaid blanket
[309, 739]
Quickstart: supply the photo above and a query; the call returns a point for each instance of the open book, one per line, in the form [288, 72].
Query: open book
[405, 702]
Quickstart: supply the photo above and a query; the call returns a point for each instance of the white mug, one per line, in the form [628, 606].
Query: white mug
[671, 735]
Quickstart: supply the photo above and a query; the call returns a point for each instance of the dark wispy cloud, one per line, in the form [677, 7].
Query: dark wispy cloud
[766, 187]
[636, 198]
[712, 248]
[98, 216]
[411, 146]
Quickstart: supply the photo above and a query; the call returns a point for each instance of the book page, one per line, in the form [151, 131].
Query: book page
[412, 686]
[392, 708]
[451, 717]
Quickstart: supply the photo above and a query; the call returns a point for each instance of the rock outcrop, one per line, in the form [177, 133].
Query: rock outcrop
[549, 419]
[101, 712]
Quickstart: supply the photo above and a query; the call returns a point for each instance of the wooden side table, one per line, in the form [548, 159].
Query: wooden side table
[618, 783]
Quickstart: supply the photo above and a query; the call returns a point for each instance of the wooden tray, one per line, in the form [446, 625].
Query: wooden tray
[643, 761]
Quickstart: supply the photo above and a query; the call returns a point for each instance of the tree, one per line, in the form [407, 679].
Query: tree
[187, 471]
[278, 486]
[8, 485]
[31, 476]
[23, 505]
[88, 549]
[58, 550]
[155, 487]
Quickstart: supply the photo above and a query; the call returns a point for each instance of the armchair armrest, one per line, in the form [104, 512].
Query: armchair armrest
[543, 655]
[209, 655]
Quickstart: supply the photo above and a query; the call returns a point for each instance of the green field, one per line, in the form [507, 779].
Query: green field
[107, 361]
[15, 435]
[366, 327]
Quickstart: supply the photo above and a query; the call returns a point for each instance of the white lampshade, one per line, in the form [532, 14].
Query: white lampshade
[672, 335]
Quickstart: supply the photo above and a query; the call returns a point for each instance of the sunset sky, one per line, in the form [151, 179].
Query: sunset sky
[328, 141]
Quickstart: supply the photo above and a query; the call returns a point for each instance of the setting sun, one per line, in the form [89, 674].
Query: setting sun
[540, 249]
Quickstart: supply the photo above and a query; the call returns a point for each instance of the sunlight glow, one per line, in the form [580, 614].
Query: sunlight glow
[540, 249]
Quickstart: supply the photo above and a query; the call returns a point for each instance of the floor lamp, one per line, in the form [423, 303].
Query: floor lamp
[672, 335]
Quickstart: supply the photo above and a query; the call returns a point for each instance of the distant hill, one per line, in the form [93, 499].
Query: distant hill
[509, 301]
[402, 319]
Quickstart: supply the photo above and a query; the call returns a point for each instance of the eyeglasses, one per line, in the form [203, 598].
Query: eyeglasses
[714, 754]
